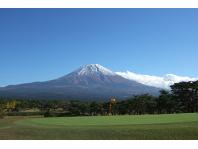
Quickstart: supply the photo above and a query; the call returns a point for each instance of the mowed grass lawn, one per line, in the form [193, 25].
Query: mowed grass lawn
[141, 127]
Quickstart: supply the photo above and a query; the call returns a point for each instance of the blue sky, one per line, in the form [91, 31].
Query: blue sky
[42, 44]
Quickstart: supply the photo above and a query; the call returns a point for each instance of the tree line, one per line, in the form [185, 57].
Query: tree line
[182, 98]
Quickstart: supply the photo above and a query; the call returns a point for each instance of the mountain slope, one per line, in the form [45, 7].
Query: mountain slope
[88, 82]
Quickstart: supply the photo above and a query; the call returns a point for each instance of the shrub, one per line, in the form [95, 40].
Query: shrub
[24, 113]
[47, 114]
[2, 114]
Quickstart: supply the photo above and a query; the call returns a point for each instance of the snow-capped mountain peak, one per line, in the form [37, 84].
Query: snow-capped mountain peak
[89, 82]
[94, 69]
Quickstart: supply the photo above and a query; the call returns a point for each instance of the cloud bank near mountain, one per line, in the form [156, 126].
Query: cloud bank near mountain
[161, 82]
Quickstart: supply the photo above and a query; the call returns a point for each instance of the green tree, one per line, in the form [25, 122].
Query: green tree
[2, 107]
[186, 94]
[95, 108]
[165, 102]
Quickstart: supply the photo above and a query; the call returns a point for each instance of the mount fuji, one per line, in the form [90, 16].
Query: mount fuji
[89, 82]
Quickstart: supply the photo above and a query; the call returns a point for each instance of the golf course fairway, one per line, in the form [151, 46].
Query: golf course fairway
[130, 127]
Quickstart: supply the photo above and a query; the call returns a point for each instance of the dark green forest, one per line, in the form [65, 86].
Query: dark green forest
[182, 98]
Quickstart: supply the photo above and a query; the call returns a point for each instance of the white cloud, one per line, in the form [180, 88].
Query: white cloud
[156, 81]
